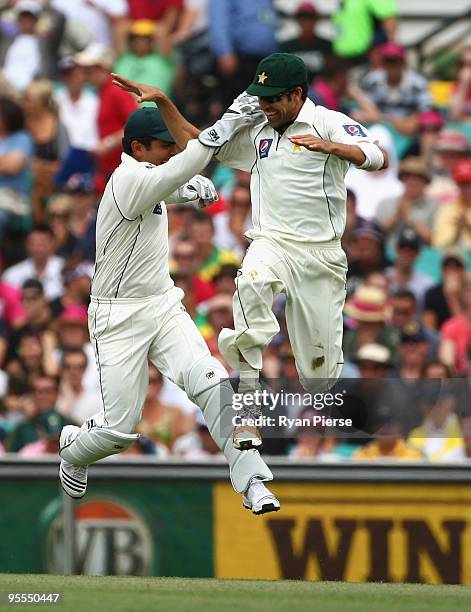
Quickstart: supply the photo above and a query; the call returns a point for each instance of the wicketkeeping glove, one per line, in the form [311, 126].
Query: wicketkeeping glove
[245, 104]
[244, 111]
[200, 187]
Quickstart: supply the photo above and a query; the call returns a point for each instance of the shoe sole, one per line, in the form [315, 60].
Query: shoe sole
[65, 490]
[264, 510]
[241, 445]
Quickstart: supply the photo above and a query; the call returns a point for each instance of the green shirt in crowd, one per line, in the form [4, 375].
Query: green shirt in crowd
[152, 69]
[355, 24]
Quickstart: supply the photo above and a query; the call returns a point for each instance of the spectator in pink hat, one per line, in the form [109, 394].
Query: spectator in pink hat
[430, 123]
[431, 120]
[74, 314]
[399, 93]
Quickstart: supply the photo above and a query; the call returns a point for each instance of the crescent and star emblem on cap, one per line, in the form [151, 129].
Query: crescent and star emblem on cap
[262, 78]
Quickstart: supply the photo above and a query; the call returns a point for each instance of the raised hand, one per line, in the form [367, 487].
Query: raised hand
[144, 93]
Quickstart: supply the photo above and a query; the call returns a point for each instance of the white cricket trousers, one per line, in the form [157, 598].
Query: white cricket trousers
[313, 276]
[126, 333]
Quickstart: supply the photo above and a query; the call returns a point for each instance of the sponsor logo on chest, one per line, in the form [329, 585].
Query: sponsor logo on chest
[264, 147]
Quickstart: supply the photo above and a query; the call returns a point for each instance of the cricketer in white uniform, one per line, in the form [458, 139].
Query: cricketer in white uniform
[136, 312]
[297, 157]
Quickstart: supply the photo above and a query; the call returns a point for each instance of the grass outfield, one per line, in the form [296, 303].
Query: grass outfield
[121, 594]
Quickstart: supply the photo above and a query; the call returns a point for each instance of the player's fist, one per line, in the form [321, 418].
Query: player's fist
[201, 187]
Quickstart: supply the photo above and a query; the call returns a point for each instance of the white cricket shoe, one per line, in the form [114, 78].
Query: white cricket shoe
[259, 499]
[73, 477]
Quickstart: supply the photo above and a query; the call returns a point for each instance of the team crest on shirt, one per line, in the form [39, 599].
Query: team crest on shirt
[157, 210]
[353, 129]
[264, 147]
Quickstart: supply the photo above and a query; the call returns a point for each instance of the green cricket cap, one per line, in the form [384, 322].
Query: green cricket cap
[277, 73]
[146, 122]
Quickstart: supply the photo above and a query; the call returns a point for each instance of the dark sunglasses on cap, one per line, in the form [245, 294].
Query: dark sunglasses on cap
[277, 98]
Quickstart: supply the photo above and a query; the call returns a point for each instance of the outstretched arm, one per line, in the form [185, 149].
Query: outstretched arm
[243, 113]
[137, 190]
[350, 153]
[181, 129]
[346, 139]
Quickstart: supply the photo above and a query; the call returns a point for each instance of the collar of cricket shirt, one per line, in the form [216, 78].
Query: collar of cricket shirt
[128, 159]
[306, 114]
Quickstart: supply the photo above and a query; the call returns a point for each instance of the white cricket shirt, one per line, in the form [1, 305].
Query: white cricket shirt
[132, 228]
[296, 194]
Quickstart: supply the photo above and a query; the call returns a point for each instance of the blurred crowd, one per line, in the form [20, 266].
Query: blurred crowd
[408, 234]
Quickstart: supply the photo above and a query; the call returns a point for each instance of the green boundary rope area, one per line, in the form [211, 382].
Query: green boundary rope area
[123, 594]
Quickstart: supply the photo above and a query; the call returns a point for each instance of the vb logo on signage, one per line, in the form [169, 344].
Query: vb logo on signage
[111, 538]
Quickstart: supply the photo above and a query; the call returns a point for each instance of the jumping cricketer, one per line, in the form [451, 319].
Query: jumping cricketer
[136, 312]
[298, 157]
